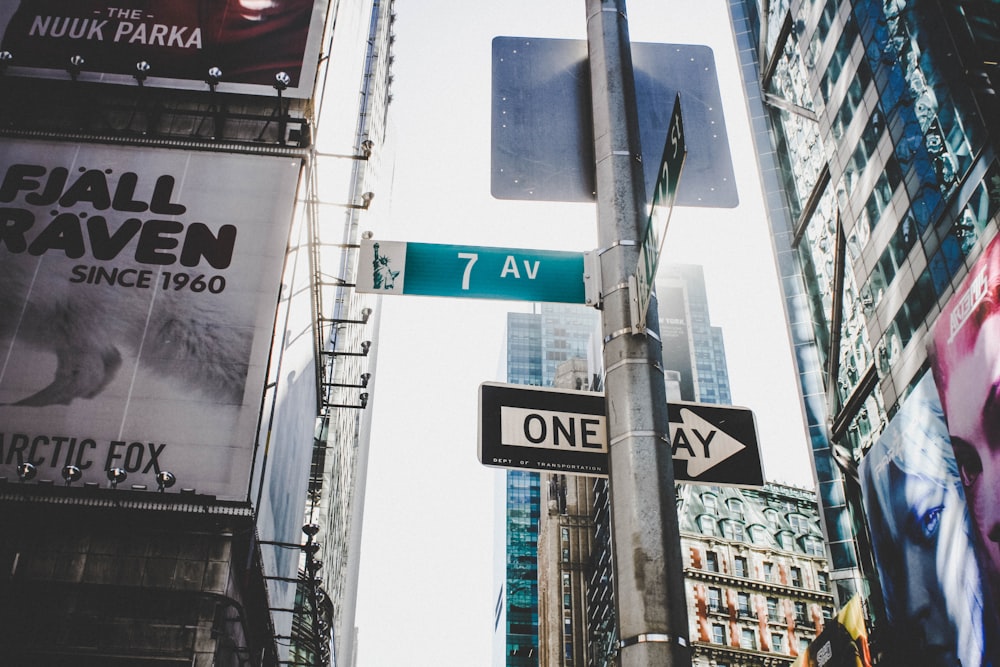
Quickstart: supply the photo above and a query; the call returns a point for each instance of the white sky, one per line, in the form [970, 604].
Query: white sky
[427, 581]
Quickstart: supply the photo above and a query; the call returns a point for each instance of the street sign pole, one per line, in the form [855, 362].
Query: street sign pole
[649, 581]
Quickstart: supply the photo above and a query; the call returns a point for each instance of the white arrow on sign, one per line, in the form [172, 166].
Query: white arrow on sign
[702, 444]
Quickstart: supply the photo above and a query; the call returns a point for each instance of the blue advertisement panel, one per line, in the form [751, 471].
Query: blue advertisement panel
[179, 40]
[137, 304]
[923, 540]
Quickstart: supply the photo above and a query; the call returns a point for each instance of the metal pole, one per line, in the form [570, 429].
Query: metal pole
[649, 580]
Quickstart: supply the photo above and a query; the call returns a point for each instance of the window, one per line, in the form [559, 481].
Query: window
[714, 599]
[778, 643]
[736, 507]
[706, 525]
[719, 634]
[823, 579]
[772, 518]
[800, 612]
[710, 503]
[786, 540]
[772, 610]
[828, 613]
[796, 574]
[769, 572]
[743, 601]
[759, 534]
[813, 546]
[733, 530]
[748, 639]
[798, 523]
[712, 561]
[740, 567]
[852, 100]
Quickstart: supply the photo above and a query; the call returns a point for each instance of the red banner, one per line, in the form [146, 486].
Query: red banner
[250, 41]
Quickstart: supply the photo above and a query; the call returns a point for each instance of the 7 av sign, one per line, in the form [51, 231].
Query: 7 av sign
[554, 430]
[431, 269]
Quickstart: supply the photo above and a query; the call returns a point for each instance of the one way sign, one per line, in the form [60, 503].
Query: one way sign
[552, 430]
[714, 444]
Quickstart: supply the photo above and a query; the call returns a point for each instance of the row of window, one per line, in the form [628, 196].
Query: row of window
[748, 640]
[716, 604]
[735, 531]
[736, 507]
[771, 573]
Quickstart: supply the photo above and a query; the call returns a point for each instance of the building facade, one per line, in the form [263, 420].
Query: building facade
[565, 544]
[165, 191]
[537, 344]
[876, 124]
[693, 349]
[757, 587]
[353, 150]
[756, 572]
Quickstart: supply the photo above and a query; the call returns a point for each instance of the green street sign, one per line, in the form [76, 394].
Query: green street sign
[430, 269]
[641, 284]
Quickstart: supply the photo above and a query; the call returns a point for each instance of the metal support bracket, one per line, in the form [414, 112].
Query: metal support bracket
[652, 637]
[592, 279]
[637, 321]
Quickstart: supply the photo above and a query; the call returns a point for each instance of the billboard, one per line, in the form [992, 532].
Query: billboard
[922, 539]
[137, 302]
[965, 359]
[250, 42]
[675, 329]
[281, 475]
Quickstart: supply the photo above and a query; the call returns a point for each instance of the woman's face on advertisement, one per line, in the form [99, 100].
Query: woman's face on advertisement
[973, 400]
[919, 505]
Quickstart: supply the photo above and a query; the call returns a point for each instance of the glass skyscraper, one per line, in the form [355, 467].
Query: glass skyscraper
[693, 351]
[876, 123]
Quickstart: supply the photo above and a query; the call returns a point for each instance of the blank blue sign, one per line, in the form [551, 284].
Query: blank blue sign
[542, 132]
